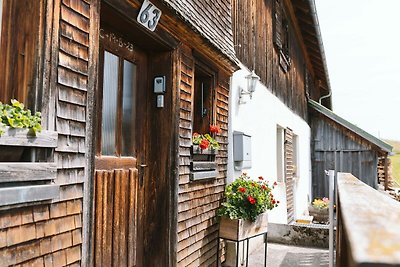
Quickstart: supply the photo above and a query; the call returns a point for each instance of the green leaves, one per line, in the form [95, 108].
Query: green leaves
[16, 116]
[246, 199]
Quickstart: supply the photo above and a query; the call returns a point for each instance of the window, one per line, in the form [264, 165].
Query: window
[203, 103]
[280, 154]
[21, 26]
[118, 105]
[281, 34]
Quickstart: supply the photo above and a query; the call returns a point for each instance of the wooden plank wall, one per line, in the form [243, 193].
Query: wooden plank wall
[289, 169]
[253, 40]
[336, 148]
[51, 234]
[198, 201]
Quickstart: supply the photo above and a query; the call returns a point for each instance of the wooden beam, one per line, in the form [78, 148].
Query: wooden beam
[23, 137]
[27, 171]
[297, 28]
[25, 194]
[386, 169]
[367, 226]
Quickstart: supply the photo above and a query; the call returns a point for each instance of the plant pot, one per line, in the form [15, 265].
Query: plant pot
[199, 154]
[320, 215]
[238, 230]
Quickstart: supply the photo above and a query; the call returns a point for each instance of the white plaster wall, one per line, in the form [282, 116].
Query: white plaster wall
[259, 118]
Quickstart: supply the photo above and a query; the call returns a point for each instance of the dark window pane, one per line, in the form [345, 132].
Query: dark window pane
[109, 112]
[128, 108]
[203, 97]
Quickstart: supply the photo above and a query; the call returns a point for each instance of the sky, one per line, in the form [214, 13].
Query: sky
[362, 47]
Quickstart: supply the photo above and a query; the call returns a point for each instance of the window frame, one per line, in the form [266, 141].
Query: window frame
[280, 154]
[205, 70]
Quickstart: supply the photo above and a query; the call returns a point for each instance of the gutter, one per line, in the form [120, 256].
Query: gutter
[313, 13]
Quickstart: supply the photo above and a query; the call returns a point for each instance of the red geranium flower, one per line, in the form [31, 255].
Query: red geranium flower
[195, 134]
[261, 178]
[252, 200]
[242, 189]
[275, 183]
[214, 129]
[264, 187]
[273, 202]
[204, 144]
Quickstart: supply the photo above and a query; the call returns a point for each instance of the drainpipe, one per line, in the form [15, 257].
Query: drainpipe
[325, 96]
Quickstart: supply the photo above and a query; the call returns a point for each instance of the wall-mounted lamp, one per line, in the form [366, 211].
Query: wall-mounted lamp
[252, 79]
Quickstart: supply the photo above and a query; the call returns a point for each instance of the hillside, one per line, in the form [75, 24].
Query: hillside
[395, 159]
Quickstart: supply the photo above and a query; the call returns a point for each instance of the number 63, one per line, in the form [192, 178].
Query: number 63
[149, 17]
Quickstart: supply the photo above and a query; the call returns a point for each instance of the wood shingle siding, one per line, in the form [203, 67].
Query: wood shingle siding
[197, 201]
[51, 233]
[212, 19]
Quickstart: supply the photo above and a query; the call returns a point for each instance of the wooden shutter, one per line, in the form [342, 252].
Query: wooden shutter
[289, 174]
[278, 27]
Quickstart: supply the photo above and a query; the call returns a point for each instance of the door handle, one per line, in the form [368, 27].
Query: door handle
[141, 173]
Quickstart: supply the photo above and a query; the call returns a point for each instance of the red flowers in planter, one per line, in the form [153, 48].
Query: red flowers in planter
[246, 198]
[252, 200]
[214, 129]
[204, 144]
[205, 141]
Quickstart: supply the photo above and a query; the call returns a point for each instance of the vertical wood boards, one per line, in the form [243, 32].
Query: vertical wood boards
[336, 148]
[116, 211]
[255, 18]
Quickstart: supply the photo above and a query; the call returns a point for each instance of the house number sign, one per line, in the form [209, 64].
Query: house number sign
[149, 15]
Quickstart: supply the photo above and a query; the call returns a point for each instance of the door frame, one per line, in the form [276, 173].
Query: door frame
[163, 38]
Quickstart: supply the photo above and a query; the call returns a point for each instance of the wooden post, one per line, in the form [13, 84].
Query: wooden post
[386, 173]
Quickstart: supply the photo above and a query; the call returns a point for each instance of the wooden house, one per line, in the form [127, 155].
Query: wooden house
[280, 40]
[342, 146]
[122, 85]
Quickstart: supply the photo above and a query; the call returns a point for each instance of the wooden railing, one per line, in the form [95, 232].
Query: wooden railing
[368, 225]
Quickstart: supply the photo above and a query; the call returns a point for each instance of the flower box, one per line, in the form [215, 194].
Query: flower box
[14, 141]
[199, 154]
[196, 150]
[203, 165]
[238, 230]
[320, 215]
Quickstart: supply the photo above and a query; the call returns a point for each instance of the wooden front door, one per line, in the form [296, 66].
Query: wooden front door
[119, 168]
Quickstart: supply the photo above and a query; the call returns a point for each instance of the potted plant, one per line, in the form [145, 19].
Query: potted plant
[205, 144]
[16, 121]
[319, 209]
[243, 213]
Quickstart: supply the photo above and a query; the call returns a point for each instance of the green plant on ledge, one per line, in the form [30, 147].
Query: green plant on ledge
[321, 203]
[205, 141]
[16, 116]
[246, 198]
